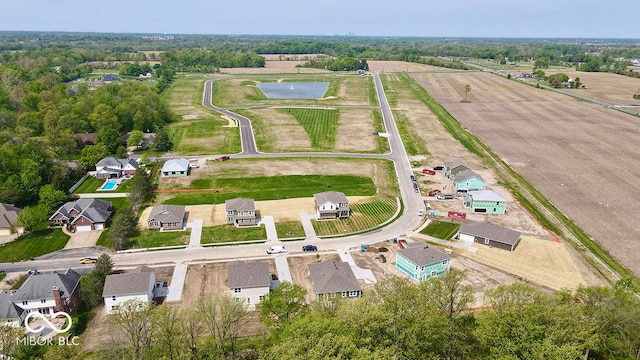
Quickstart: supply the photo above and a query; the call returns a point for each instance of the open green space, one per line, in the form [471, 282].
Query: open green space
[33, 244]
[230, 233]
[364, 215]
[320, 124]
[441, 229]
[413, 144]
[290, 229]
[149, 238]
[273, 188]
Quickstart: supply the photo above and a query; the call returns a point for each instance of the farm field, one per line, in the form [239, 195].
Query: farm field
[364, 215]
[577, 154]
[611, 88]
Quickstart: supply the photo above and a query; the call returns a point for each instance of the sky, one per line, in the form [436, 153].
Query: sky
[423, 18]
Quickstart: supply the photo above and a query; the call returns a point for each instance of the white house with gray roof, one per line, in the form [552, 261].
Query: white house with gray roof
[83, 215]
[249, 281]
[240, 212]
[175, 167]
[166, 217]
[331, 205]
[489, 234]
[139, 284]
[331, 279]
[45, 293]
[114, 168]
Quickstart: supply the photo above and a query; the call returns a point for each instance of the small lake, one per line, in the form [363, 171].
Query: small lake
[294, 90]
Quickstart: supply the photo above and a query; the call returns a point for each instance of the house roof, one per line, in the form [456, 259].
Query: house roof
[455, 163]
[239, 204]
[422, 254]
[86, 138]
[111, 162]
[249, 274]
[93, 209]
[110, 77]
[40, 285]
[136, 282]
[8, 310]
[467, 174]
[330, 196]
[333, 277]
[491, 231]
[485, 195]
[167, 213]
[181, 164]
[8, 215]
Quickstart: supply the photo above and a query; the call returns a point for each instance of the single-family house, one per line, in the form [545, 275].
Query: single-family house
[249, 281]
[422, 262]
[240, 212]
[454, 167]
[114, 168]
[166, 217]
[83, 215]
[46, 293]
[84, 139]
[485, 201]
[139, 284]
[331, 205]
[331, 279]
[9, 220]
[176, 167]
[107, 78]
[467, 180]
[489, 234]
[147, 139]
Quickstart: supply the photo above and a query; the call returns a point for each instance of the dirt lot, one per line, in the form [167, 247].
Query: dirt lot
[582, 157]
[611, 88]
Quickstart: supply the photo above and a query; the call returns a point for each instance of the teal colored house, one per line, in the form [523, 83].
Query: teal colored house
[485, 201]
[422, 262]
[467, 180]
[176, 167]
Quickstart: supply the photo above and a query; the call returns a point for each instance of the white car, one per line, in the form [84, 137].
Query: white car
[420, 212]
[276, 249]
[194, 166]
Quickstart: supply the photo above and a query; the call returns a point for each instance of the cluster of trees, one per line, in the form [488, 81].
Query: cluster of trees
[209, 61]
[338, 64]
[124, 224]
[135, 69]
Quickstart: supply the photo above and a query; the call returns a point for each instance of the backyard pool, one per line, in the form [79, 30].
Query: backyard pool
[294, 90]
[109, 185]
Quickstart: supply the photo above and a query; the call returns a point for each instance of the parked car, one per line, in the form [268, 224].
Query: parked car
[413, 178]
[434, 192]
[439, 167]
[420, 212]
[276, 249]
[309, 248]
[88, 260]
[223, 158]
[33, 271]
[428, 172]
[194, 166]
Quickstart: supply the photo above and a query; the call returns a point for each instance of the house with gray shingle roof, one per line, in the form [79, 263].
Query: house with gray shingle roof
[485, 201]
[422, 262]
[9, 220]
[451, 168]
[331, 205]
[175, 167]
[240, 212]
[114, 168]
[468, 180]
[45, 293]
[249, 281]
[83, 215]
[332, 279]
[139, 284]
[489, 234]
[166, 217]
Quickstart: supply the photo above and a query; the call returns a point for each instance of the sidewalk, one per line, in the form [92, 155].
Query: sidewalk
[177, 283]
[196, 232]
[309, 231]
[270, 227]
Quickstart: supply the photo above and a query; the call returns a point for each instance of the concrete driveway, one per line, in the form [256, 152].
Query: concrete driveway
[82, 239]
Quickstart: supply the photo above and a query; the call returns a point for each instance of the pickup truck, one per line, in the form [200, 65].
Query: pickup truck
[428, 172]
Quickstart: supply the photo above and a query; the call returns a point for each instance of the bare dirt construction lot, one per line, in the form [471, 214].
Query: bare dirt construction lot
[582, 157]
[611, 88]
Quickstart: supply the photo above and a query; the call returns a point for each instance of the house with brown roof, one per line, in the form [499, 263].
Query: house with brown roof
[240, 212]
[139, 284]
[83, 215]
[331, 205]
[166, 217]
[331, 279]
[249, 281]
[489, 234]
[9, 220]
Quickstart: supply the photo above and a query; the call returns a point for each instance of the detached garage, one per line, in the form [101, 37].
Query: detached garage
[490, 235]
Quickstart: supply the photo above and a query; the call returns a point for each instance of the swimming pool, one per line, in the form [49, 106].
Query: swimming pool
[109, 185]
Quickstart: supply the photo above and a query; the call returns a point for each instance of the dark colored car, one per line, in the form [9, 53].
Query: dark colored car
[309, 248]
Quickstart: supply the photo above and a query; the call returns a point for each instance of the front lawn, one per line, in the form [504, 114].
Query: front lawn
[364, 215]
[229, 233]
[33, 244]
[290, 229]
[148, 238]
[441, 229]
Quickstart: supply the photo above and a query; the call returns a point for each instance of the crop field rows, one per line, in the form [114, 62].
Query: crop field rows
[364, 215]
[320, 125]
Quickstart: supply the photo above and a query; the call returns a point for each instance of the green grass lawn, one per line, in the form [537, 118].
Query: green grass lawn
[289, 229]
[33, 244]
[441, 229]
[2, 276]
[91, 185]
[148, 238]
[273, 188]
[364, 215]
[413, 144]
[229, 233]
[320, 124]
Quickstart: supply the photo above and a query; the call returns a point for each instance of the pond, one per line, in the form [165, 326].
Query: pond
[294, 90]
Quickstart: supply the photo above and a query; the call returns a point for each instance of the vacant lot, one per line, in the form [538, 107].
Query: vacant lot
[581, 156]
[611, 88]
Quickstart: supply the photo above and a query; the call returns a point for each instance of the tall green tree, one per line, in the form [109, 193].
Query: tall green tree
[282, 304]
[122, 228]
[51, 198]
[140, 189]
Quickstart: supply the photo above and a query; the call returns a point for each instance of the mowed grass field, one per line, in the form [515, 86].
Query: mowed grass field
[576, 153]
[33, 244]
[199, 131]
[441, 229]
[229, 233]
[364, 215]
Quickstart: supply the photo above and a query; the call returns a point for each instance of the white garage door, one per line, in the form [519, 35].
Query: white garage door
[467, 238]
[83, 228]
[99, 226]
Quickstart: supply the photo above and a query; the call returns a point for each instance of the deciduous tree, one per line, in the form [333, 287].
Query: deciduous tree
[285, 302]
